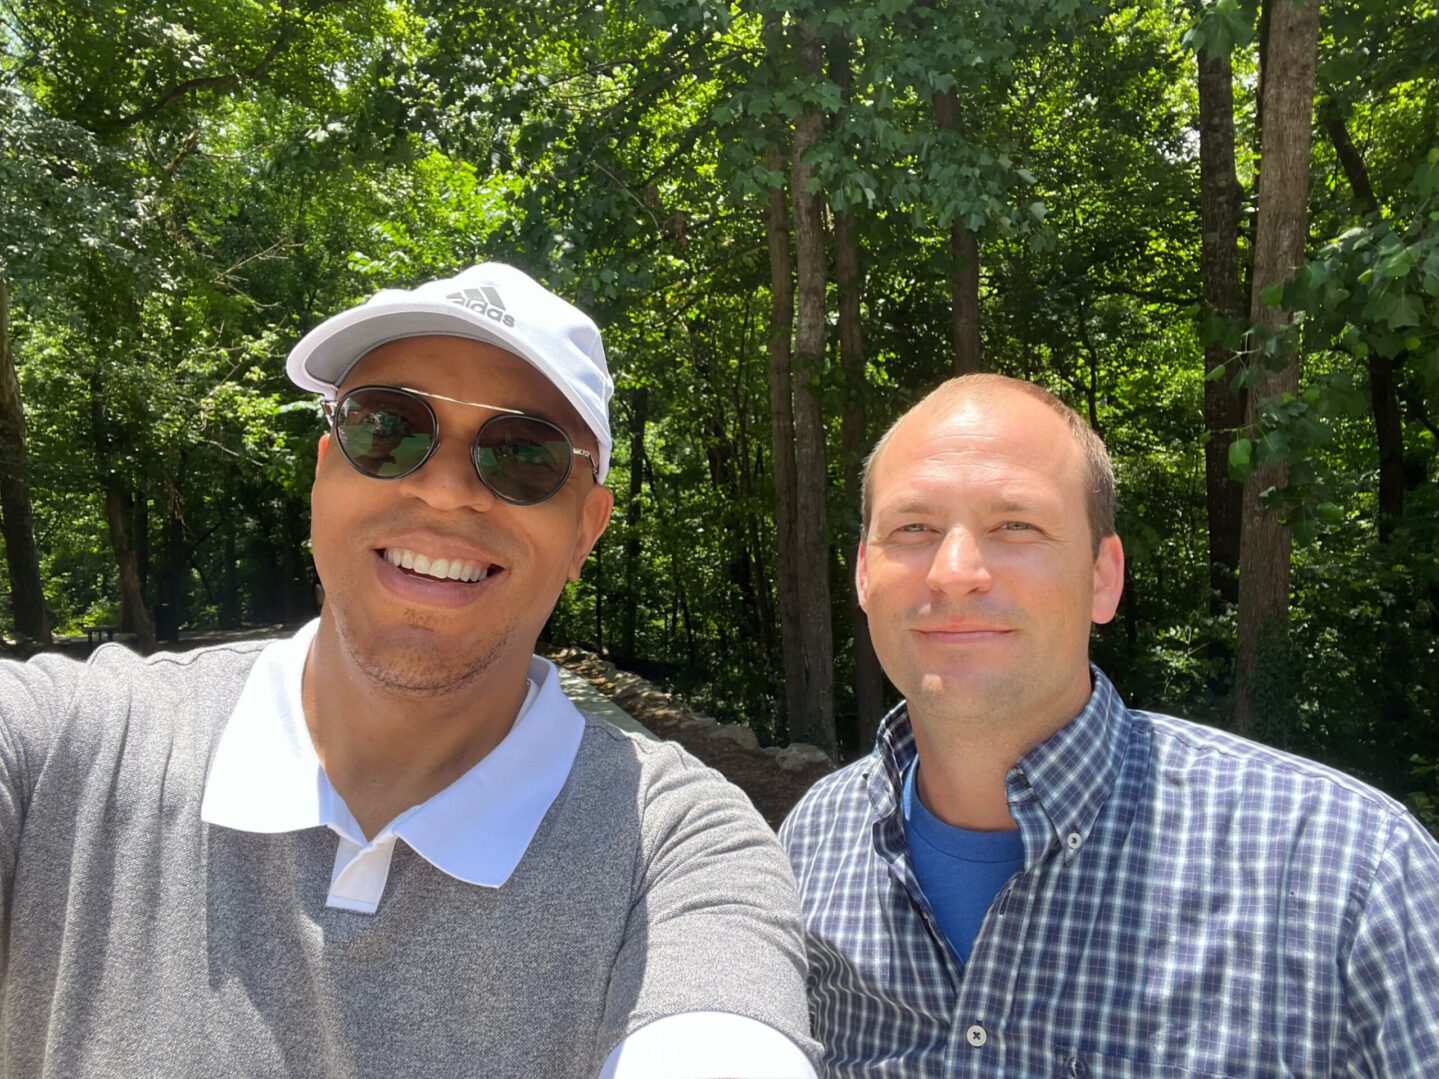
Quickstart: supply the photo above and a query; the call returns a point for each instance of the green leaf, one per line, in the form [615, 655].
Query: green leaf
[1274, 446]
[1272, 295]
[1398, 265]
[1241, 453]
[1406, 312]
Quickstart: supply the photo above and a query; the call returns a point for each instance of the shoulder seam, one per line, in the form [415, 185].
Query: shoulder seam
[1280, 760]
[180, 659]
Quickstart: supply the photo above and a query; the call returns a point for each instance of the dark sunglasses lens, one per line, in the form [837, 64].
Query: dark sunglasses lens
[384, 433]
[521, 458]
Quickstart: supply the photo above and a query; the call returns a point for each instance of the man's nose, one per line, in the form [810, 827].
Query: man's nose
[448, 480]
[959, 564]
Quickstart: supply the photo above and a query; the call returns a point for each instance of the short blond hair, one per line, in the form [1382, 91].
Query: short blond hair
[1099, 471]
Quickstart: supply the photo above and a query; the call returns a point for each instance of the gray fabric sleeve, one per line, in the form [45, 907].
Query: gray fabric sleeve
[715, 923]
[34, 697]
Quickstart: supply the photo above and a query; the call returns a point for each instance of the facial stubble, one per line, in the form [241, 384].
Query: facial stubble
[416, 668]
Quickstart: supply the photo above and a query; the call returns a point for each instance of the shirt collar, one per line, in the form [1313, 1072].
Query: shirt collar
[1068, 776]
[266, 776]
[1071, 773]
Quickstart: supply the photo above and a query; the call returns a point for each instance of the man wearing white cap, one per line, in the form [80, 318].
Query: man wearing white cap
[390, 845]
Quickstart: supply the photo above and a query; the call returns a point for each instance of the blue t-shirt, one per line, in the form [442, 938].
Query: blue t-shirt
[959, 871]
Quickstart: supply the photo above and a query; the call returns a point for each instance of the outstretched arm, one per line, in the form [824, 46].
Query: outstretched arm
[710, 979]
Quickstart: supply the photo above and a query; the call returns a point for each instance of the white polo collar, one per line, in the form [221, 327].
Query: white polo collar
[265, 777]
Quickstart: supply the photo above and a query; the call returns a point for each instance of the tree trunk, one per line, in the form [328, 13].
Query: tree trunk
[816, 723]
[749, 468]
[1389, 430]
[177, 569]
[1383, 392]
[726, 461]
[759, 574]
[119, 504]
[296, 569]
[132, 595]
[964, 274]
[634, 513]
[1219, 204]
[782, 458]
[868, 678]
[139, 531]
[229, 578]
[1261, 704]
[854, 441]
[22, 558]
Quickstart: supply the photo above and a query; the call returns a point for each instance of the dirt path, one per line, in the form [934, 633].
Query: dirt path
[774, 778]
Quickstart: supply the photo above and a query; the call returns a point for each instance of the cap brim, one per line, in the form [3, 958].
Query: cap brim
[326, 354]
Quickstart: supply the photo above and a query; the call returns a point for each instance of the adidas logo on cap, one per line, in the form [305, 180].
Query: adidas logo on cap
[485, 300]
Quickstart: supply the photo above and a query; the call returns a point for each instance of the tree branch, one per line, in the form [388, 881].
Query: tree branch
[206, 82]
[1349, 157]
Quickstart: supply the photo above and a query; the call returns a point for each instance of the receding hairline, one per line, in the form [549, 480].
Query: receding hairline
[949, 395]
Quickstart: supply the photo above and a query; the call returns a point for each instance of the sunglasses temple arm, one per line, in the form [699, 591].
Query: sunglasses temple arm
[589, 460]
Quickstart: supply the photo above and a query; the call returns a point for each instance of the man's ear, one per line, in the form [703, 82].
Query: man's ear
[1108, 580]
[321, 449]
[594, 517]
[861, 578]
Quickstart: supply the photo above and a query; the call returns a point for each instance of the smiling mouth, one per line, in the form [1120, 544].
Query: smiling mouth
[419, 564]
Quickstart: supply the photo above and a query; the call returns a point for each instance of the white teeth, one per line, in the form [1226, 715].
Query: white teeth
[442, 569]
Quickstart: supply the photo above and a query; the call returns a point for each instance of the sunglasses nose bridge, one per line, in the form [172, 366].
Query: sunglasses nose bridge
[450, 477]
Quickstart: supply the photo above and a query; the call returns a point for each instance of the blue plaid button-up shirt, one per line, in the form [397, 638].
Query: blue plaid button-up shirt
[1191, 904]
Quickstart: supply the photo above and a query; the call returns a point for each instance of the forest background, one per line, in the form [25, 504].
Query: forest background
[1213, 229]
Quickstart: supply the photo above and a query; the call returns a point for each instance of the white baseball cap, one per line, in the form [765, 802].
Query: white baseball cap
[492, 302]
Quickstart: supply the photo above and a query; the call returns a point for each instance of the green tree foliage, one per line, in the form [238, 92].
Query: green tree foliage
[185, 189]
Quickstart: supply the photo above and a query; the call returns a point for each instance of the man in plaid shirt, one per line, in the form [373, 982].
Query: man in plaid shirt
[1028, 878]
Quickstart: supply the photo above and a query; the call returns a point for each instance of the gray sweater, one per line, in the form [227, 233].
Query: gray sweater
[137, 941]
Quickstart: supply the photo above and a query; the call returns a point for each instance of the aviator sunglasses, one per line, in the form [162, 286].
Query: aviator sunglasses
[387, 432]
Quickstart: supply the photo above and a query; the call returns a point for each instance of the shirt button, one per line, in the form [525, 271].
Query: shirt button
[1078, 1069]
[976, 1035]
[1073, 840]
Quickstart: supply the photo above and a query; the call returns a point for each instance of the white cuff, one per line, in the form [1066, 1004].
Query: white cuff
[707, 1045]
